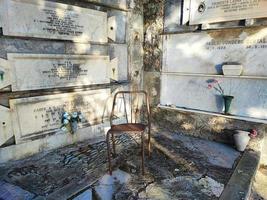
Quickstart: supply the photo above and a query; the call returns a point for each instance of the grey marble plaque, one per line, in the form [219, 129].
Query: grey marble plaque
[211, 11]
[42, 71]
[42, 114]
[44, 19]
[206, 52]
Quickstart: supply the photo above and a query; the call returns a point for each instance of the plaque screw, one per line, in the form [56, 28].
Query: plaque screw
[4, 123]
[201, 7]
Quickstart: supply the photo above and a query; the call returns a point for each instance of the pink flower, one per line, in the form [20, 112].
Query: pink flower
[253, 133]
[209, 86]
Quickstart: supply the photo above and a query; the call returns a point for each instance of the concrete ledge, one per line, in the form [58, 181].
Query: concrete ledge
[239, 185]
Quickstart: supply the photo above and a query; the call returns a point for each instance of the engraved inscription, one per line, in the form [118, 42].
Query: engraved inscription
[247, 43]
[43, 114]
[65, 25]
[211, 11]
[41, 71]
[228, 6]
[65, 70]
[45, 19]
[51, 115]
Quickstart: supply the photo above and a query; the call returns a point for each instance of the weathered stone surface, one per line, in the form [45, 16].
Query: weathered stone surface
[183, 187]
[119, 59]
[217, 11]
[152, 86]
[9, 191]
[260, 184]
[122, 4]
[172, 15]
[135, 32]
[205, 126]
[239, 185]
[117, 25]
[153, 27]
[19, 45]
[63, 173]
[211, 100]
[205, 53]
[53, 20]
[87, 49]
[41, 71]
[41, 115]
[67, 171]
[217, 154]
[35, 144]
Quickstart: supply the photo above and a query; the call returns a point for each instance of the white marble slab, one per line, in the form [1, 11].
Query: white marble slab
[44, 19]
[210, 11]
[5, 79]
[119, 62]
[43, 114]
[42, 71]
[6, 131]
[250, 96]
[206, 52]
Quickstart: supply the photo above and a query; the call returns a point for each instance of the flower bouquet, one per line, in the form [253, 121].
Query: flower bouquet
[215, 84]
[70, 121]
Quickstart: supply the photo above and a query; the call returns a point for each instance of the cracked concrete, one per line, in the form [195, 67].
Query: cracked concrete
[179, 167]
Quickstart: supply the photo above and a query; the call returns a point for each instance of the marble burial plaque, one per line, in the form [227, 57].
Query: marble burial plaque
[250, 95]
[206, 52]
[42, 71]
[44, 19]
[42, 114]
[211, 11]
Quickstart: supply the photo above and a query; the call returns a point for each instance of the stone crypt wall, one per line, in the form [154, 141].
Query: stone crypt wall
[183, 50]
[60, 56]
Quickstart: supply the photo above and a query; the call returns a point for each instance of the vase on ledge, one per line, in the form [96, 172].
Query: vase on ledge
[227, 103]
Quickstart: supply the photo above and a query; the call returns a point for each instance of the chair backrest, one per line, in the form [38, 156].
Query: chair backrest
[134, 105]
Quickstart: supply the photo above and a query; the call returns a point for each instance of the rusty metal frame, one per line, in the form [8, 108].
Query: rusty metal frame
[112, 132]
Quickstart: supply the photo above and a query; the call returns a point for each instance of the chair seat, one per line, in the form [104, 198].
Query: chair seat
[129, 127]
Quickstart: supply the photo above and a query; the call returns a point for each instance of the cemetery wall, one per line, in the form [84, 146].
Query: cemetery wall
[176, 71]
[58, 56]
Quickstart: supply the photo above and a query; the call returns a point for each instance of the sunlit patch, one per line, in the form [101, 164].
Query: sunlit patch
[257, 113]
[187, 126]
[256, 38]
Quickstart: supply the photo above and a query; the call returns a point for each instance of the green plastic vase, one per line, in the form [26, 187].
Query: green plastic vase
[227, 103]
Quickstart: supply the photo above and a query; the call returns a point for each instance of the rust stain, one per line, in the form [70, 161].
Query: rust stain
[227, 34]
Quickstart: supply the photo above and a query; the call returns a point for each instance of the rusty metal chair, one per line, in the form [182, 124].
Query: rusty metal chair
[131, 127]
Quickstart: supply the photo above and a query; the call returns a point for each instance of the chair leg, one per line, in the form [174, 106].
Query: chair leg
[109, 153]
[113, 144]
[143, 153]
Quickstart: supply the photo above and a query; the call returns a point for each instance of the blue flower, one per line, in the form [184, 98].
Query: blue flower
[65, 115]
[75, 115]
[65, 121]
